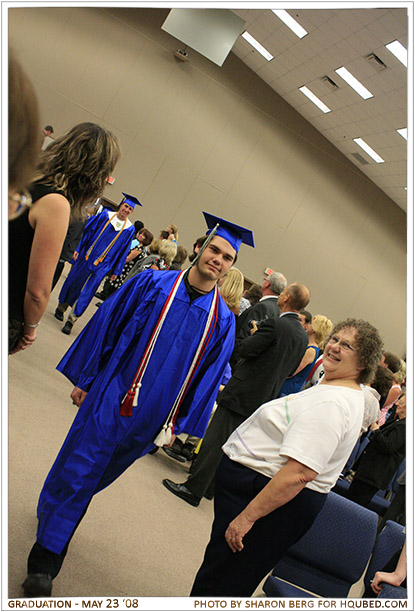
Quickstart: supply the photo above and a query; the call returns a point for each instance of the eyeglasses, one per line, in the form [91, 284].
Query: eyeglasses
[23, 201]
[343, 345]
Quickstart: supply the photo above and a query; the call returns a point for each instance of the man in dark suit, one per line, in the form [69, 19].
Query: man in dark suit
[266, 308]
[268, 356]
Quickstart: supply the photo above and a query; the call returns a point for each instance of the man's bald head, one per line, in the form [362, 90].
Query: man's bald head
[294, 297]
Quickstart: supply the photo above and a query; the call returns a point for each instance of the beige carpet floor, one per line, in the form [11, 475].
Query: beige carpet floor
[137, 539]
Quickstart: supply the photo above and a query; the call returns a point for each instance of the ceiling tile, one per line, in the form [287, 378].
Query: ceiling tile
[340, 37]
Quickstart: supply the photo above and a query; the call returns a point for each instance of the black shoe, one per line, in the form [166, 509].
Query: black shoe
[98, 304]
[101, 295]
[181, 491]
[153, 451]
[38, 585]
[67, 328]
[188, 451]
[171, 453]
[58, 314]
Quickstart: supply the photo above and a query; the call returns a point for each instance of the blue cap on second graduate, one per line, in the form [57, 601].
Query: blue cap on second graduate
[234, 234]
[130, 200]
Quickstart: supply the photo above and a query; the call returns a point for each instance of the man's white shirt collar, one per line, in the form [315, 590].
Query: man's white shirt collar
[266, 297]
[118, 223]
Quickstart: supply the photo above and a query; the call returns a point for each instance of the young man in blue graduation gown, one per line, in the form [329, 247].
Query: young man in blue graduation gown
[148, 363]
[104, 246]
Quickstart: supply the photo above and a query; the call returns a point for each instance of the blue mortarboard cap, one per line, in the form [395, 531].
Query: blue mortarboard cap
[130, 200]
[234, 234]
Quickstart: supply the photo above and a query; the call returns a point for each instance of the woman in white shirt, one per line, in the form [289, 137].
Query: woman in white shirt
[280, 464]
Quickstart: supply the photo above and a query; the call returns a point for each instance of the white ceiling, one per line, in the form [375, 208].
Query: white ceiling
[340, 37]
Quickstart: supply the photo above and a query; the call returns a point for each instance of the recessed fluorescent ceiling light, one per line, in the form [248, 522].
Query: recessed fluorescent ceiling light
[354, 83]
[369, 150]
[314, 99]
[257, 46]
[398, 51]
[403, 132]
[290, 22]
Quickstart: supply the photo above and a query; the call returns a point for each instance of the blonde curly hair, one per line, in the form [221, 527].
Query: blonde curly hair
[174, 230]
[322, 328]
[400, 375]
[232, 288]
[167, 251]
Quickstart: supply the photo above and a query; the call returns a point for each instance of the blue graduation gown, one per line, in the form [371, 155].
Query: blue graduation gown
[84, 277]
[103, 360]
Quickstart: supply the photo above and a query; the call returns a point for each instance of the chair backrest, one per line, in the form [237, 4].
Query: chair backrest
[389, 541]
[358, 448]
[399, 473]
[333, 554]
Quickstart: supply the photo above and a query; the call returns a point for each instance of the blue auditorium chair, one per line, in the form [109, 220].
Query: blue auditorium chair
[380, 502]
[389, 541]
[331, 556]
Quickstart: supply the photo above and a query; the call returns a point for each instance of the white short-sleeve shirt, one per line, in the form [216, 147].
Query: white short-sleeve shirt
[318, 427]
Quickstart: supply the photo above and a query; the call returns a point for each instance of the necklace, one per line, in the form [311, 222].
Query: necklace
[199, 290]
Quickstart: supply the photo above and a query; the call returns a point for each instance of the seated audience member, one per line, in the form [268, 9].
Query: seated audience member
[305, 317]
[196, 247]
[173, 233]
[162, 253]
[279, 465]
[394, 573]
[396, 510]
[138, 252]
[372, 393]
[399, 379]
[250, 297]
[146, 262]
[317, 331]
[71, 173]
[166, 253]
[47, 138]
[381, 458]
[391, 361]
[180, 258]
[231, 289]
[24, 140]
[164, 234]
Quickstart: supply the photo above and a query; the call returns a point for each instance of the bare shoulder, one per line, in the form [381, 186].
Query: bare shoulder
[50, 202]
[53, 206]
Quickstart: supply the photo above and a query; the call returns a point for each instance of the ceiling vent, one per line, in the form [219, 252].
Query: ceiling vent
[360, 159]
[376, 62]
[330, 83]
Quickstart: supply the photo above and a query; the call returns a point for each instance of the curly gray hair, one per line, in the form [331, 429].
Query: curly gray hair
[368, 346]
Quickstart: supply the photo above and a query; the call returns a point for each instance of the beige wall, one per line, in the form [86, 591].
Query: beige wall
[197, 137]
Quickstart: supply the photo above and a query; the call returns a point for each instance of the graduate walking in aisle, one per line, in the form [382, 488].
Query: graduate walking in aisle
[104, 247]
[145, 368]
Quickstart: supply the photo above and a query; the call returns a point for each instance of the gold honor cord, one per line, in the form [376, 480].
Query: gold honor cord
[109, 247]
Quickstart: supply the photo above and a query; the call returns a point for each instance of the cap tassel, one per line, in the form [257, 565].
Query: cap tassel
[130, 400]
[137, 391]
[126, 409]
[164, 437]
